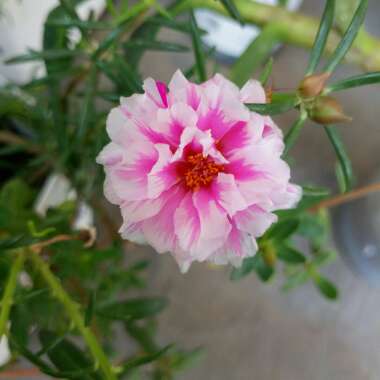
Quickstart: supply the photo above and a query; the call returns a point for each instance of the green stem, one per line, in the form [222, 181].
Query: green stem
[296, 29]
[73, 312]
[294, 132]
[7, 300]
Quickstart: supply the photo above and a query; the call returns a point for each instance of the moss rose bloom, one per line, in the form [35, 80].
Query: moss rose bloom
[194, 172]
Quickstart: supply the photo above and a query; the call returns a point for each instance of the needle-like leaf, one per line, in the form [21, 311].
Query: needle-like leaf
[348, 38]
[356, 81]
[342, 156]
[322, 36]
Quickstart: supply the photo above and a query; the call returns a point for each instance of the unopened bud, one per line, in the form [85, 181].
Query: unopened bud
[327, 110]
[313, 85]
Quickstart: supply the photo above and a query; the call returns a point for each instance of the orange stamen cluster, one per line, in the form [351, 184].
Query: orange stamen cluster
[201, 172]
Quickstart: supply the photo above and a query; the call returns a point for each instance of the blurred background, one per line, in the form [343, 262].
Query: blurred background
[252, 331]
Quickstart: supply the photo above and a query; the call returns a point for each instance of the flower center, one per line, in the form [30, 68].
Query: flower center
[201, 171]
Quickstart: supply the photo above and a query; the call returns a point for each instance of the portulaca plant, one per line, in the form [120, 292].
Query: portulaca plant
[197, 167]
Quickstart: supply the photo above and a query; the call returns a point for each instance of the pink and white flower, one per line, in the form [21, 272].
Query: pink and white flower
[194, 172]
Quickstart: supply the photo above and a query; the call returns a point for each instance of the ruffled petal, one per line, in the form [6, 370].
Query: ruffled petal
[156, 91]
[187, 224]
[214, 224]
[227, 194]
[183, 91]
[112, 154]
[129, 179]
[254, 220]
[163, 174]
[241, 135]
[238, 246]
[132, 232]
[172, 121]
[138, 211]
[159, 230]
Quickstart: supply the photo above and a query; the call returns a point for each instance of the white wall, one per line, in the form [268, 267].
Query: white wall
[21, 24]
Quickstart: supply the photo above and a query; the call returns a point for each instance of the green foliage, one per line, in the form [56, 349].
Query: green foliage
[356, 81]
[321, 38]
[276, 107]
[132, 309]
[267, 71]
[156, 45]
[294, 132]
[232, 10]
[198, 51]
[67, 357]
[343, 159]
[254, 55]
[348, 38]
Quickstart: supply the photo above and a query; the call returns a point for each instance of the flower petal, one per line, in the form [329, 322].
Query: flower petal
[132, 232]
[159, 230]
[227, 194]
[241, 135]
[237, 247]
[163, 174]
[254, 220]
[111, 154]
[156, 91]
[253, 92]
[181, 90]
[172, 121]
[214, 224]
[137, 211]
[129, 179]
[187, 224]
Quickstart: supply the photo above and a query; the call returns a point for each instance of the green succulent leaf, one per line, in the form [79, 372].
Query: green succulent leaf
[169, 23]
[255, 54]
[290, 255]
[67, 357]
[348, 38]
[295, 280]
[155, 45]
[326, 288]
[267, 71]
[312, 191]
[44, 55]
[145, 359]
[198, 51]
[274, 108]
[356, 81]
[294, 132]
[132, 309]
[232, 10]
[70, 23]
[90, 309]
[343, 158]
[264, 271]
[322, 36]
[247, 267]
[283, 230]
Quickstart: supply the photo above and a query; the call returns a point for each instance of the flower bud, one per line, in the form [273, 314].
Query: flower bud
[327, 110]
[313, 85]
